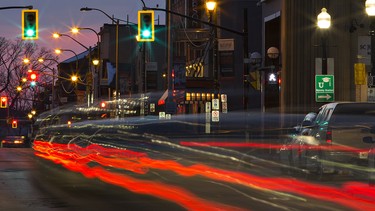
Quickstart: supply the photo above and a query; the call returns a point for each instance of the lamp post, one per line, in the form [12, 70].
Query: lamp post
[370, 10]
[58, 35]
[211, 6]
[256, 62]
[324, 22]
[41, 60]
[59, 51]
[95, 61]
[115, 20]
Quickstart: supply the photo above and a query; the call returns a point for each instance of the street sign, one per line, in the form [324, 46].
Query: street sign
[215, 104]
[208, 107]
[215, 116]
[324, 88]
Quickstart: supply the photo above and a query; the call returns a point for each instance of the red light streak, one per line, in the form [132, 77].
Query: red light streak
[358, 196]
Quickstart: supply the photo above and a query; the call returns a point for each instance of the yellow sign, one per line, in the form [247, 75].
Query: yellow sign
[359, 73]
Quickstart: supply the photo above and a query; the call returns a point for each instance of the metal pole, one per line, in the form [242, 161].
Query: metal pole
[324, 55]
[372, 34]
[53, 89]
[245, 65]
[117, 52]
[169, 51]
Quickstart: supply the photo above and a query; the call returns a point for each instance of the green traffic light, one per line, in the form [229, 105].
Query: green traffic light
[146, 26]
[30, 33]
[29, 24]
[146, 33]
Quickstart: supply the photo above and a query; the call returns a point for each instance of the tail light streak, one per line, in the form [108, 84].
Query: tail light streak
[354, 195]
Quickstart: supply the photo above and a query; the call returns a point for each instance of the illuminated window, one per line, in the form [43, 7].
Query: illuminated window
[203, 96]
[188, 96]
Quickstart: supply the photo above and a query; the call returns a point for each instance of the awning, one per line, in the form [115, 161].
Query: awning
[161, 101]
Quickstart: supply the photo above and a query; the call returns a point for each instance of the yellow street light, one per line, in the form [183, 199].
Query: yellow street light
[33, 112]
[19, 88]
[74, 78]
[26, 61]
[55, 35]
[95, 62]
[370, 7]
[24, 79]
[75, 30]
[29, 115]
[324, 19]
[57, 51]
[211, 5]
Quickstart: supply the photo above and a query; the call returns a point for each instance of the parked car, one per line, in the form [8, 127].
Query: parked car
[371, 159]
[334, 142]
[14, 141]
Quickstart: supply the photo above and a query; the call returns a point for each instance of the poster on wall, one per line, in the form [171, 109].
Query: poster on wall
[364, 49]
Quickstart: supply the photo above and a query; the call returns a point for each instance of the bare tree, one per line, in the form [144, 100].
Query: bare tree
[13, 70]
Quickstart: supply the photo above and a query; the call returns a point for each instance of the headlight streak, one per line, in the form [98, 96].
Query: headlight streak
[354, 195]
[270, 146]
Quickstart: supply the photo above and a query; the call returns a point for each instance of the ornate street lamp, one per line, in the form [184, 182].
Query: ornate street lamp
[324, 22]
[211, 6]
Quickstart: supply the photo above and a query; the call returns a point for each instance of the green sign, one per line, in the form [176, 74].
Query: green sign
[324, 88]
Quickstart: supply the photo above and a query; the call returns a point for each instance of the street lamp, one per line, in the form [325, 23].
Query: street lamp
[59, 51]
[115, 20]
[58, 35]
[96, 60]
[211, 6]
[370, 9]
[41, 60]
[324, 22]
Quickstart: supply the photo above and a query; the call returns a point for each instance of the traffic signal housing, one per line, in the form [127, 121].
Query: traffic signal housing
[4, 102]
[29, 24]
[14, 123]
[146, 26]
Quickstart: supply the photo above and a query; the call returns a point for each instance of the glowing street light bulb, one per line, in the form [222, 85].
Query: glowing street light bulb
[41, 60]
[74, 78]
[55, 35]
[95, 62]
[26, 61]
[57, 51]
[19, 88]
[75, 30]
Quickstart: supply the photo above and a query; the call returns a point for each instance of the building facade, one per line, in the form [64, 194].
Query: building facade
[302, 48]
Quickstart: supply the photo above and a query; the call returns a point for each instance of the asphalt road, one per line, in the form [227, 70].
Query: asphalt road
[29, 182]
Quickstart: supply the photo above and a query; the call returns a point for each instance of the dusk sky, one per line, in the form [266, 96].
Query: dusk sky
[61, 15]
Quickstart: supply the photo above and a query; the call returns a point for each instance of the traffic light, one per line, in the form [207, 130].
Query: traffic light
[4, 102]
[29, 24]
[146, 26]
[14, 123]
[103, 105]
